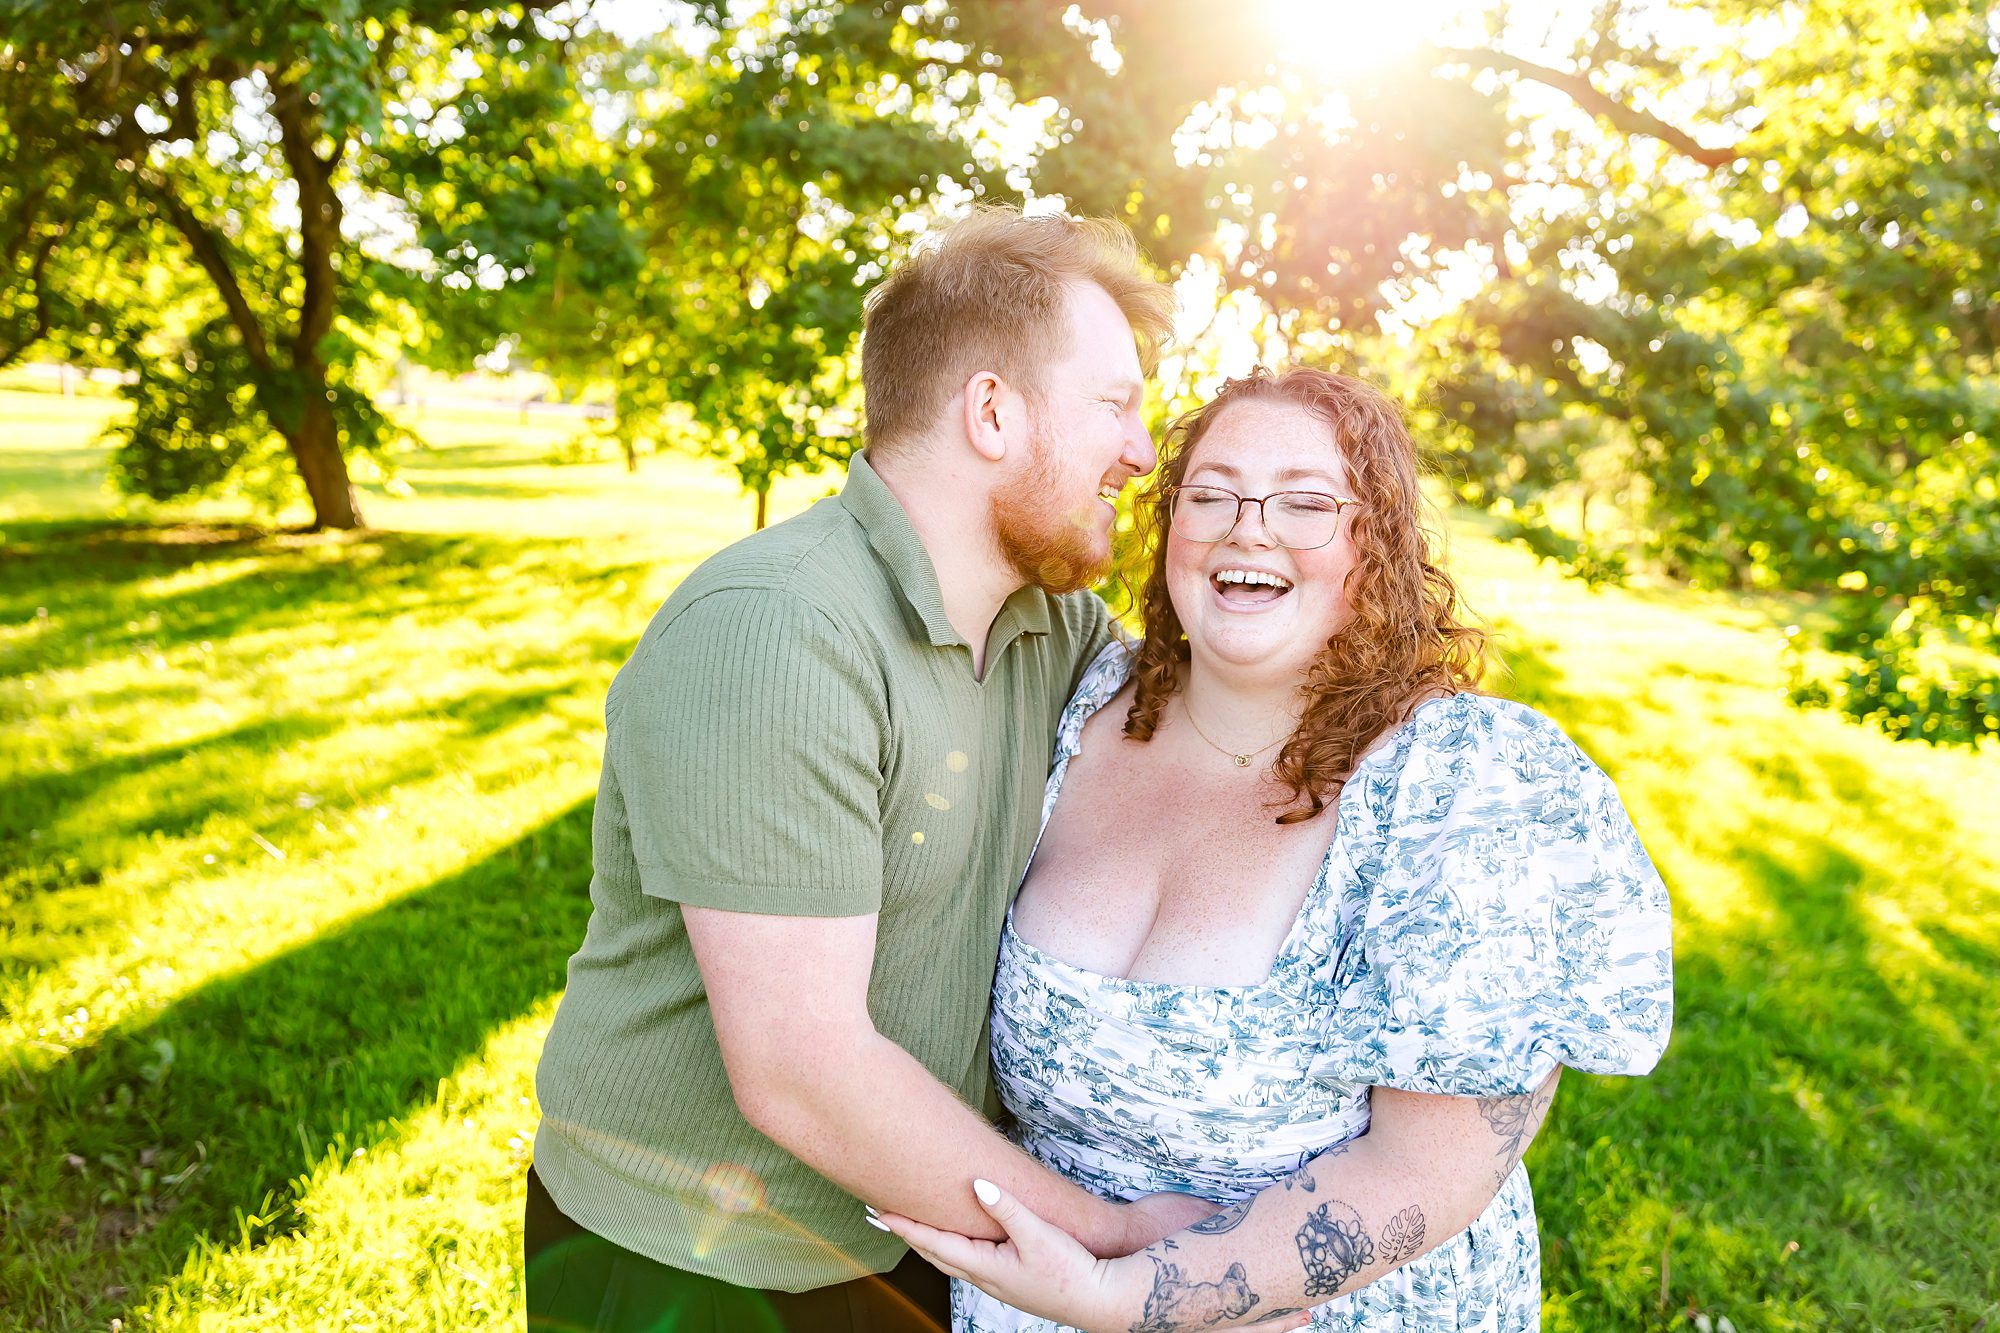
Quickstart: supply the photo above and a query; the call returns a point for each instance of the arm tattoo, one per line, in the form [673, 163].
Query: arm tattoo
[1175, 1304]
[1228, 1219]
[1507, 1117]
[1404, 1235]
[1515, 1120]
[1333, 1246]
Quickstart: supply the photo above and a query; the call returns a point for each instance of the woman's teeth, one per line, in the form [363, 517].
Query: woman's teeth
[1250, 587]
[1253, 577]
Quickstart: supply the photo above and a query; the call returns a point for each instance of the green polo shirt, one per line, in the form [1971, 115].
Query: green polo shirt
[799, 732]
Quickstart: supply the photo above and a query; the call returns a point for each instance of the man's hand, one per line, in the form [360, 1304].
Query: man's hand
[1040, 1269]
[1153, 1217]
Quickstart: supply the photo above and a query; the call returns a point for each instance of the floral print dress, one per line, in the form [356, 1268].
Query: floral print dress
[1485, 912]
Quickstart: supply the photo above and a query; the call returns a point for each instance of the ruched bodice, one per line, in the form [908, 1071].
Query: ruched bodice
[1132, 1087]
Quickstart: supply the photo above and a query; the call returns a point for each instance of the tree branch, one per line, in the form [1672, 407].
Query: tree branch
[9, 355]
[208, 252]
[29, 205]
[1586, 95]
[319, 218]
[135, 143]
[185, 119]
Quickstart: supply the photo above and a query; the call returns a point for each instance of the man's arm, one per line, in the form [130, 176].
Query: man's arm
[1427, 1167]
[789, 996]
[748, 741]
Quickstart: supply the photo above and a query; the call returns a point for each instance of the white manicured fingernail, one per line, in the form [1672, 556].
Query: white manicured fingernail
[877, 1222]
[988, 1192]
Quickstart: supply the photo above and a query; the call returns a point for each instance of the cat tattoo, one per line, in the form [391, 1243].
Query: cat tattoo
[1175, 1304]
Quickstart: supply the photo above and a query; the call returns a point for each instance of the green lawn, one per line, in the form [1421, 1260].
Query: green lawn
[295, 838]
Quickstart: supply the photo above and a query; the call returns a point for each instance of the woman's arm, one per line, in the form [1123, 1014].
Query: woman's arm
[1427, 1167]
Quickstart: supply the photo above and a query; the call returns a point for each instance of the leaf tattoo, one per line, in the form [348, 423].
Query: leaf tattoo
[1404, 1235]
[1333, 1246]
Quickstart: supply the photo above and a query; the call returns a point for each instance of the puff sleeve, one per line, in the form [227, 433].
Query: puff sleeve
[1511, 920]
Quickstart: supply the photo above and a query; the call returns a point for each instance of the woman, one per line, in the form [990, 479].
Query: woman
[1312, 926]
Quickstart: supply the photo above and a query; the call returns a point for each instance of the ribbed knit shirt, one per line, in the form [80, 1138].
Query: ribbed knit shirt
[798, 732]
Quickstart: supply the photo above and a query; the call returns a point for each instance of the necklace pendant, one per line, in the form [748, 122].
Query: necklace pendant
[1242, 760]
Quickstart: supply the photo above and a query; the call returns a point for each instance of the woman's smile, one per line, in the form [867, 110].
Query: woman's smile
[1244, 599]
[1248, 589]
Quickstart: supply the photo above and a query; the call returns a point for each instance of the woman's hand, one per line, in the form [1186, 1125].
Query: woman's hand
[1040, 1269]
[1037, 1268]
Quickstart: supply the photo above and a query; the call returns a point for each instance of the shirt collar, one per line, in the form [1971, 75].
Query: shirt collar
[882, 516]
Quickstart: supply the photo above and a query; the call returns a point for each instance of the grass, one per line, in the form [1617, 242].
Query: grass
[295, 839]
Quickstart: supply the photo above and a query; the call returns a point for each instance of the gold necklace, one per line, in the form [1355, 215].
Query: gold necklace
[1242, 760]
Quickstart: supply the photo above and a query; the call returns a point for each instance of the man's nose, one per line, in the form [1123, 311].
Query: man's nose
[1139, 453]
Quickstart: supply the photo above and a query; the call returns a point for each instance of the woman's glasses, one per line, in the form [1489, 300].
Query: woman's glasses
[1298, 520]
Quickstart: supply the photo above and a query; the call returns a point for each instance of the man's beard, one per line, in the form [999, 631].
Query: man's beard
[1057, 552]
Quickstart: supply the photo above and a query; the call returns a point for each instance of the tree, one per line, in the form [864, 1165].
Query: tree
[763, 165]
[1796, 353]
[1734, 264]
[231, 134]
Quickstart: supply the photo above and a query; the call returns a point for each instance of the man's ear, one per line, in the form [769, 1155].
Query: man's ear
[991, 408]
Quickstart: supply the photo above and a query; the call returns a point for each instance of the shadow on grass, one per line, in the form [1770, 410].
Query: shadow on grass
[1528, 673]
[85, 577]
[50, 883]
[248, 1080]
[71, 813]
[1773, 1123]
[40, 796]
[1817, 1090]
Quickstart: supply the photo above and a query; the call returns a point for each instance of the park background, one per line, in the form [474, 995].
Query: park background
[368, 374]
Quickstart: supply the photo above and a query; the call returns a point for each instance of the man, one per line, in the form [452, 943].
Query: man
[822, 776]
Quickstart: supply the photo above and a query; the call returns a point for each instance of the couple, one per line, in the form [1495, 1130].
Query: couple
[1308, 926]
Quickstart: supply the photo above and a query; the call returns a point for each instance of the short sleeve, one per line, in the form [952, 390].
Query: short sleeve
[1090, 628]
[747, 736]
[1512, 922]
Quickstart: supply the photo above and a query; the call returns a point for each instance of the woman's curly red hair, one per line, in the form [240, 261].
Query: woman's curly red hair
[1407, 639]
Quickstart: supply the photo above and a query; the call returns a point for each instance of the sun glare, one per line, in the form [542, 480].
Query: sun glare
[1333, 37]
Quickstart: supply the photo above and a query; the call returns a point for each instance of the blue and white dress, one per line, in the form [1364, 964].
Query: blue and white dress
[1485, 913]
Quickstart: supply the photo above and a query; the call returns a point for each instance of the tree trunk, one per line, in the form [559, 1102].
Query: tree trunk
[315, 448]
[316, 442]
[763, 506]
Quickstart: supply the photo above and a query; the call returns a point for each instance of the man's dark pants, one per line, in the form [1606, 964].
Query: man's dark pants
[579, 1281]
